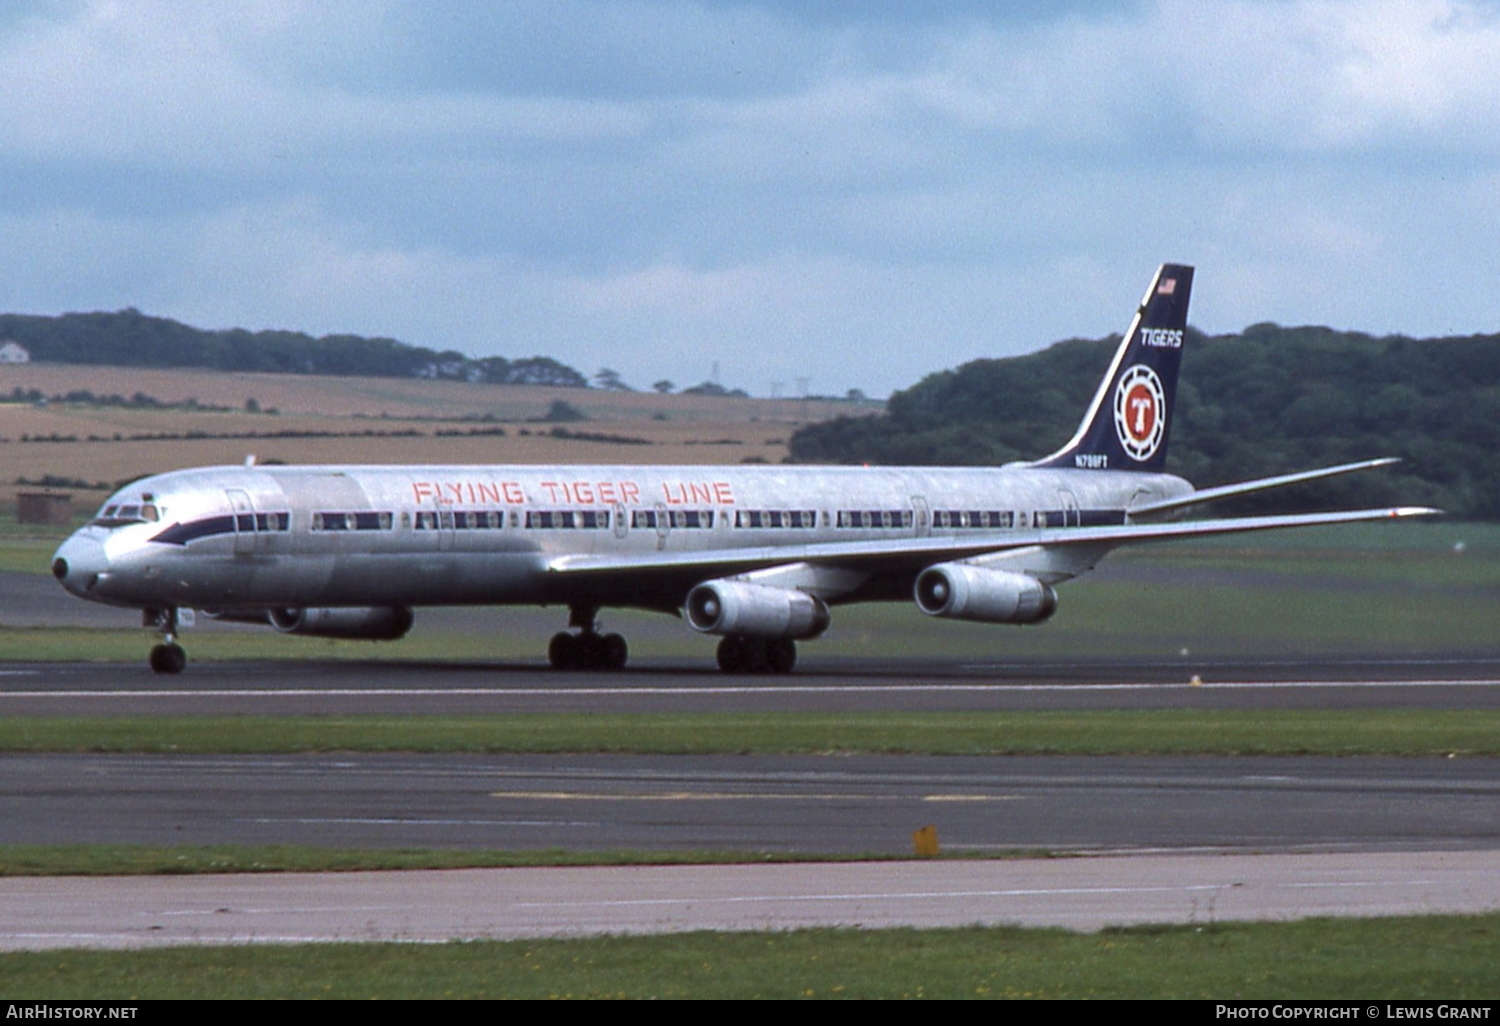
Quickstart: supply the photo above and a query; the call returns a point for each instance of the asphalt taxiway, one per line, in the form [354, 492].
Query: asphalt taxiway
[847, 804]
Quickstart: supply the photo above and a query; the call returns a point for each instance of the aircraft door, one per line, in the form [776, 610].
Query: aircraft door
[622, 522]
[244, 521]
[1071, 516]
[921, 516]
[663, 525]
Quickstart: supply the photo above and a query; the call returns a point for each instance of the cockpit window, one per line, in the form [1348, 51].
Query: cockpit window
[123, 514]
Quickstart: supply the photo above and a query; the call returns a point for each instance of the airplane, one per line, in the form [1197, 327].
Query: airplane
[756, 555]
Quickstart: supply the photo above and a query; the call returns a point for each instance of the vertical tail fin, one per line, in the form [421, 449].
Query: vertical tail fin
[1127, 424]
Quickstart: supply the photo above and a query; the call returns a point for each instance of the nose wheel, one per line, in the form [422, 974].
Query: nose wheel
[167, 657]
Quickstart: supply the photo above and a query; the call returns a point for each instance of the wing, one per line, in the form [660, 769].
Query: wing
[839, 569]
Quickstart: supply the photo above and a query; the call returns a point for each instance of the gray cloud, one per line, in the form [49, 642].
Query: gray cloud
[858, 193]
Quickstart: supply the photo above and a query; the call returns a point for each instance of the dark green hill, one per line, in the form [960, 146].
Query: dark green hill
[1268, 400]
[130, 338]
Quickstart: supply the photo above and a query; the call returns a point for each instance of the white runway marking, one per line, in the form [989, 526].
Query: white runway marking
[756, 689]
[1023, 892]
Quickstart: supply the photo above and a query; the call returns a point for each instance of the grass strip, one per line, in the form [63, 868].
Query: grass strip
[1449, 957]
[1340, 732]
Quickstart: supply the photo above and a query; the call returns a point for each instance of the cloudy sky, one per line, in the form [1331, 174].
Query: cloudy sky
[854, 192]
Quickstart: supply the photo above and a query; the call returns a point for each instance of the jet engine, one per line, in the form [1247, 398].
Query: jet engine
[378, 623]
[755, 610]
[962, 591]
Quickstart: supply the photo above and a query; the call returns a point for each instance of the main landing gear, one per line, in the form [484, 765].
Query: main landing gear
[740, 654]
[168, 657]
[587, 649]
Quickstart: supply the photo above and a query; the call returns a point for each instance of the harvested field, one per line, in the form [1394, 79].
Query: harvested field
[365, 420]
[404, 398]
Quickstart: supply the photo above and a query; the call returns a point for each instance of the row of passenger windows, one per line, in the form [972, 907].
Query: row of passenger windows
[569, 519]
[650, 519]
[875, 518]
[329, 521]
[796, 518]
[265, 521]
[674, 518]
[647, 519]
[973, 518]
[463, 520]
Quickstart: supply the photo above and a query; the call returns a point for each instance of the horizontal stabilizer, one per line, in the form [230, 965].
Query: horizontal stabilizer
[1203, 495]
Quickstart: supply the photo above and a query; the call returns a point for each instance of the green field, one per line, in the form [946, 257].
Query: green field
[1449, 957]
[1335, 732]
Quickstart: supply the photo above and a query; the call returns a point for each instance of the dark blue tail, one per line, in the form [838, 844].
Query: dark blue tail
[1127, 424]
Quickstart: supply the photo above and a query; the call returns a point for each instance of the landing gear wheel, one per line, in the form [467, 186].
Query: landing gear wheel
[739, 654]
[168, 658]
[729, 654]
[613, 652]
[781, 654]
[587, 651]
[562, 651]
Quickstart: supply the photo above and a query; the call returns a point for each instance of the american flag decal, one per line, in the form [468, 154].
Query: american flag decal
[1167, 287]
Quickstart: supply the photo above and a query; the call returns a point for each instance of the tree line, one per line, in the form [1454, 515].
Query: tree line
[1265, 401]
[129, 338]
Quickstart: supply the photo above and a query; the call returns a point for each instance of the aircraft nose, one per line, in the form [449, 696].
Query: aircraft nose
[78, 563]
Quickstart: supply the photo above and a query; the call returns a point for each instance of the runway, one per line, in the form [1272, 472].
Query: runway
[426, 907]
[403, 687]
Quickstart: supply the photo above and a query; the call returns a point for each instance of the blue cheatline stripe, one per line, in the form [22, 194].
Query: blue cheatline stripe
[181, 534]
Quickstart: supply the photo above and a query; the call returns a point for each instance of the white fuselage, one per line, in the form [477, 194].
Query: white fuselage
[276, 536]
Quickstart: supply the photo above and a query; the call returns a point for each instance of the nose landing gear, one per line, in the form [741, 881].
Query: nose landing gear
[167, 657]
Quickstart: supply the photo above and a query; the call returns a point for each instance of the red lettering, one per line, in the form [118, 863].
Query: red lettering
[551, 487]
[630, 492]
[723, 493]
[489, 493]
[582, 493]
[671, 499]
[420, 490]
[701, 493]
[513, 493]
[456, 489]
[607, 492]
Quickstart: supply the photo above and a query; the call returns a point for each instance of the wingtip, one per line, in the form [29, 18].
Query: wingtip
[1415, 511]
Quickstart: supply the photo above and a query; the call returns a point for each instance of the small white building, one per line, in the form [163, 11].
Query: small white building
[14, 352]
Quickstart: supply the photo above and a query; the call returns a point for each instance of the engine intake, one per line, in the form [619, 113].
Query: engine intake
[377, 623]
[961, 591]
[755, 610]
